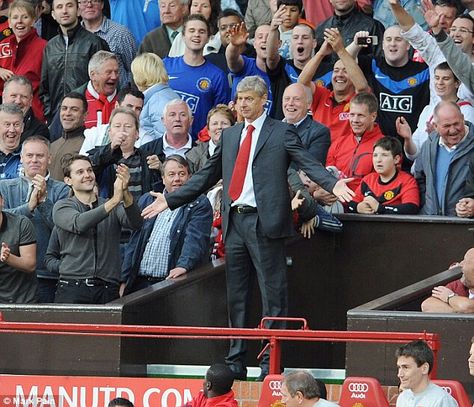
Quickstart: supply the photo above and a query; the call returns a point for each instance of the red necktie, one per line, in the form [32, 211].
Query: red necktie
[240, 167]
[106, 108]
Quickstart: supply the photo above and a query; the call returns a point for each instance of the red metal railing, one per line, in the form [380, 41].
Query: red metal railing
[274, 336]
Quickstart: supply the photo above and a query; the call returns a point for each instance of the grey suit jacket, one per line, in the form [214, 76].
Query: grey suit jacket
[157, 42]
[315, 137]
[277, 147]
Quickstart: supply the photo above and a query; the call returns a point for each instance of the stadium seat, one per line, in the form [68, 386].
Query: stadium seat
[456, 389]
[270, 390]
[365, 391]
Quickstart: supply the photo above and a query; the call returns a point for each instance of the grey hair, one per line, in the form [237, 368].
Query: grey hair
[11, 108]
[36, 138]
[176, 102]
[253, 84]
[302, 381]
[20, 80]
[98, 59]
[125, 110]
[442, 105]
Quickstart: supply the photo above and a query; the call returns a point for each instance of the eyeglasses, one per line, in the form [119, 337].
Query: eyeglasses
[91, 2]
[460, 30]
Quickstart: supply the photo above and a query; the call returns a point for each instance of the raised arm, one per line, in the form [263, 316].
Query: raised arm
[405, 20]
[418, 38]
[353, 48]
[333, 37]
[459, 61]
[273, 40]
[238, 37]
[404, 131]
[308, 72]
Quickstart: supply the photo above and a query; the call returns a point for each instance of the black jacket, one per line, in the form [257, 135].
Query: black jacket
[33, 127]
[350, 24]
[65, 68]
[103, 159]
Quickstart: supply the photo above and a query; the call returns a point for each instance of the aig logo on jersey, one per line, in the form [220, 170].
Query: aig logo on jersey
[394, 103]
[191, 100]
[203, 84]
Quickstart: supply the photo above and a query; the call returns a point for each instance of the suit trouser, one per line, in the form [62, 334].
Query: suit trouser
[248, 252]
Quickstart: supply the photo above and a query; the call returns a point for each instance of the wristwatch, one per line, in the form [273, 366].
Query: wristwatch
[449, 297]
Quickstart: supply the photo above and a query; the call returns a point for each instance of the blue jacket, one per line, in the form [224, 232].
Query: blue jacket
[15, 196]
[10, 165]
[190, 238]
[156, 98]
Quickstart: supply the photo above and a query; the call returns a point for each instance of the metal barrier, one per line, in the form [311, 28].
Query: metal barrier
[273, 336]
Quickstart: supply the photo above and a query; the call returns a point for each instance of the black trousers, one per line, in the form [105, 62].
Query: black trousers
[249, 253]
[78, 292]
[46, 290]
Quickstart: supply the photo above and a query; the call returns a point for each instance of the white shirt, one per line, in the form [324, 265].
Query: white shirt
[247, 197]
[211, 148]
[170, 150]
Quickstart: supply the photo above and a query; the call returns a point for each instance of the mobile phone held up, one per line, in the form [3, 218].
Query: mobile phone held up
[370, 40]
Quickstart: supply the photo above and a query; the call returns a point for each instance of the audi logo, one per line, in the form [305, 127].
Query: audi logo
[358, 387]
[274, 385]
[447, 389]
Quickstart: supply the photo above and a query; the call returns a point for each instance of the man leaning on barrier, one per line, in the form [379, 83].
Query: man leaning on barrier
[458, 295]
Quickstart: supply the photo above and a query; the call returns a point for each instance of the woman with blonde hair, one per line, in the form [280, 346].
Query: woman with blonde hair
[150, 76]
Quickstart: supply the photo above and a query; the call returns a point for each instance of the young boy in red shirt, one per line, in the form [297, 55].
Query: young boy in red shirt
[388, 190]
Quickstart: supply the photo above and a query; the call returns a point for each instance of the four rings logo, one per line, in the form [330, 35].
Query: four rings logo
[358, 387]
[274, 385]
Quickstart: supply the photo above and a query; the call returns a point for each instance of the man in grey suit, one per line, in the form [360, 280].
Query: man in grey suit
[256, 210]
[159, 41]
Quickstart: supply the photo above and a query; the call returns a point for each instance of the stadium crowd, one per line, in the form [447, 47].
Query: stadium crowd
[138, 140]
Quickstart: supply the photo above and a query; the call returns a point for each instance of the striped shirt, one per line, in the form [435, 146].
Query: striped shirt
[155, 257]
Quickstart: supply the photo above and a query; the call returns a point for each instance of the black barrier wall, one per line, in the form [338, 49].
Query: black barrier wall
[328, 275]
[384, 313]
